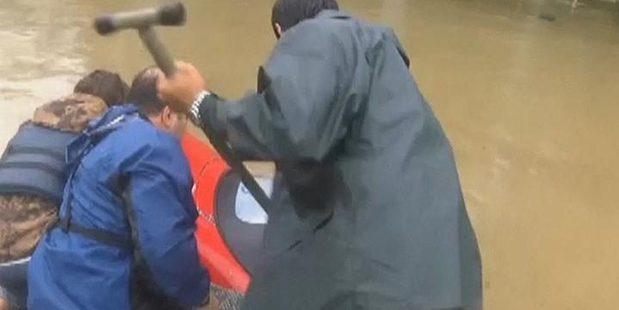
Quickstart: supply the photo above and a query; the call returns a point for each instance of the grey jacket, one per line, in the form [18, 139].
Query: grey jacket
[382, 224]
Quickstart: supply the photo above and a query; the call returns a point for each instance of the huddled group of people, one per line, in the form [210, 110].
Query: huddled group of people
[104, 189]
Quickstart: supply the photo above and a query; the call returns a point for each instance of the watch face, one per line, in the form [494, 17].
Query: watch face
[195, 118]
[194, 111]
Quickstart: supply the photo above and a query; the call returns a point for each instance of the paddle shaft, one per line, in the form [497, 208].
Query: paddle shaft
[166, 64]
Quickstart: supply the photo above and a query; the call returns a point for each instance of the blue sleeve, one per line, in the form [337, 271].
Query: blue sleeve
[164, 220]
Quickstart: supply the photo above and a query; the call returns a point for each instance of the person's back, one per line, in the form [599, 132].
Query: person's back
[32, 167]
[396, 235]
[33, 172]
[127, 202]
[411, 221]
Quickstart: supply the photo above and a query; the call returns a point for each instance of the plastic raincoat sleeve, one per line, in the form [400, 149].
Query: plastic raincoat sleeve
[164, 215]
[301, 111]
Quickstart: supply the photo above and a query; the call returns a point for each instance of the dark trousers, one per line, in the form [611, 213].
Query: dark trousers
[146, 294]
[14, 282]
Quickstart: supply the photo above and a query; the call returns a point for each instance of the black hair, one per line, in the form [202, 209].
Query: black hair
[288, 13]
[106, 85]
[143, 92]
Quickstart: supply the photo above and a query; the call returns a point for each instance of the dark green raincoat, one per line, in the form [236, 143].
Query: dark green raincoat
[369, 214]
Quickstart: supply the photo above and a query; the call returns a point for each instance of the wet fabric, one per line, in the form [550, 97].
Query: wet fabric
[368, 213]
[119, 152]
[13, 283]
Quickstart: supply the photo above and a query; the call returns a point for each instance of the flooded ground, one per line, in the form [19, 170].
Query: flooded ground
[529, 104]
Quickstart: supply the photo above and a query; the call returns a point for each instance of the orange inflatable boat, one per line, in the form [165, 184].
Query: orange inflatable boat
[227, 244]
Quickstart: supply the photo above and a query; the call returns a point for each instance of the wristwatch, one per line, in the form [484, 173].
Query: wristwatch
[194, 109]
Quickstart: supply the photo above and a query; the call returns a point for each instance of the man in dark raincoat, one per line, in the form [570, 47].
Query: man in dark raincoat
[369, 212]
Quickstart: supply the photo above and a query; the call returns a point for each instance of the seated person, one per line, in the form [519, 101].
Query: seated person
[32, 175]
[127, 209]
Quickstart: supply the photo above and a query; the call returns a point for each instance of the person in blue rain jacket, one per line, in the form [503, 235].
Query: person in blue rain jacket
[127, 209]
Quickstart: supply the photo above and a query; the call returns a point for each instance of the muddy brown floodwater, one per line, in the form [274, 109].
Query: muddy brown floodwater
[529, 103]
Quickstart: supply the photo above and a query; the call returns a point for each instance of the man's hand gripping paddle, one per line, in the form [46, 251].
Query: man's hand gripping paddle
[175, 15]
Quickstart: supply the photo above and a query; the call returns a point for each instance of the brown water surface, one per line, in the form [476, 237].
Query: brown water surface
[529, 105]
